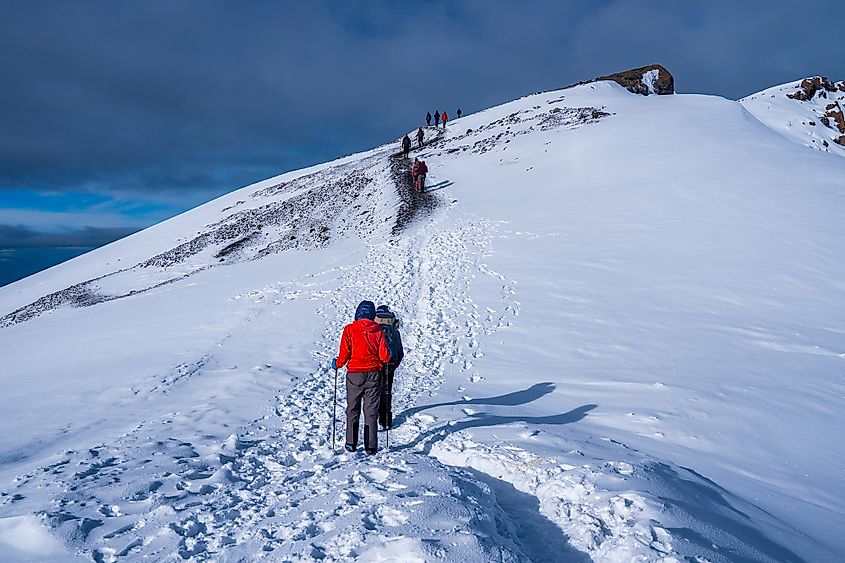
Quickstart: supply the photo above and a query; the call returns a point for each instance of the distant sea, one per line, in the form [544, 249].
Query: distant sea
[18, 263]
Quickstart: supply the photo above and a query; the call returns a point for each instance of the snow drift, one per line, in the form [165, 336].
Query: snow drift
[623, 319]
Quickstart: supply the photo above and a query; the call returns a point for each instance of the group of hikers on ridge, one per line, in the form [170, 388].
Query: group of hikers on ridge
[439, 117]
[371, 349]
[419, 168]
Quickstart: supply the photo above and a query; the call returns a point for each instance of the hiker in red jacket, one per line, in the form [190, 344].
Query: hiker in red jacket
[444, 118]
[363, 350]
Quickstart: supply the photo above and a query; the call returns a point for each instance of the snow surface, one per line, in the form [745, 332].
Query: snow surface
[648, 79]
[623, 320]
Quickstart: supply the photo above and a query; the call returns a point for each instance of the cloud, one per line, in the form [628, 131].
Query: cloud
[17, 236]
[187, 100]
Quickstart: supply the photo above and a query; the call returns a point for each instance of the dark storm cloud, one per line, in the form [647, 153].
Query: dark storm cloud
[20, 236]
[164, 97]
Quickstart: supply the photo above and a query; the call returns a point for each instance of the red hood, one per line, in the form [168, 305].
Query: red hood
[367, 325]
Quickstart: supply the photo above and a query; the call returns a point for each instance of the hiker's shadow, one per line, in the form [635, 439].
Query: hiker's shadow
[477, 420]
[485, 420]
[533, 393]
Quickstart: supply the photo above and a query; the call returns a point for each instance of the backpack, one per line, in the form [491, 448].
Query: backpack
[394, 343]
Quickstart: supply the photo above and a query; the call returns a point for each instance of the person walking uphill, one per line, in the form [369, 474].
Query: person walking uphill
[387, 321]
[364, 352]
[406, 145]
[436, 118]
[444, 118]
[422, 170]
[420, 137]
[428, 118]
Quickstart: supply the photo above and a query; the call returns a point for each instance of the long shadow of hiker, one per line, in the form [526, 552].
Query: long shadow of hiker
[482, 419]
[508, 400]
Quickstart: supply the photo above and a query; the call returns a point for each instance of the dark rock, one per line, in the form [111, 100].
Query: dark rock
[633, 80]
[840, 140]
[838, 118]
[809, 87]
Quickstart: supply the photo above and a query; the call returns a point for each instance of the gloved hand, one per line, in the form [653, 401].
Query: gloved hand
[334, 363]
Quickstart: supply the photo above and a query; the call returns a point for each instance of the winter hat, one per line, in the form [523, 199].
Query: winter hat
[385, 313]
[365, 310]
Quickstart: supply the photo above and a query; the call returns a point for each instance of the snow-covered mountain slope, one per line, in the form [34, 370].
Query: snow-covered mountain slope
[808, 111]
[623, 319]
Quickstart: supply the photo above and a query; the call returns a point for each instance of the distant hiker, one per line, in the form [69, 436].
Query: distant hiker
[420, 136]
[436, 118]
[445, 118]
[363, 350]
[422, 170]
[458, 113]
[406, 145]
[387, 321]
[428, 118]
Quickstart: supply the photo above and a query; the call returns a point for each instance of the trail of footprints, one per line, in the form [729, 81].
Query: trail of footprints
[278, 485]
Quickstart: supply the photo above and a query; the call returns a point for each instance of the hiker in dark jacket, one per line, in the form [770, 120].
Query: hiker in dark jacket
[422, 170]
[406, 145]
[387, 321]
[363, 350]
[436, 118]
[428, 118]
[458, 113]
[420, 136]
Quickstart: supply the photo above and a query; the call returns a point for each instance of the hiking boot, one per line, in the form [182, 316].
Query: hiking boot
[371, 451]
[350, 448]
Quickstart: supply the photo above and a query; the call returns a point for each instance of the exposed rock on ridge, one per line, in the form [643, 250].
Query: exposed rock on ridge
[651, 79]
[817, 87]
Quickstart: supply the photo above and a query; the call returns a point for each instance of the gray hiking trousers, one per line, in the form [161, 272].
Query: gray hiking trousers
[366, 387]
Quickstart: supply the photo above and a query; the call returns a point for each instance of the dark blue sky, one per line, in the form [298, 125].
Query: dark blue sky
[115, 115]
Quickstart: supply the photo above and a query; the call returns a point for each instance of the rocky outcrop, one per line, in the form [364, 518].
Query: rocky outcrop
[826, 99]
[651, 79]
[816, 86]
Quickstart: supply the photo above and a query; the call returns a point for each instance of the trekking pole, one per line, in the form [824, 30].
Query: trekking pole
[334, 408]
[388, 416]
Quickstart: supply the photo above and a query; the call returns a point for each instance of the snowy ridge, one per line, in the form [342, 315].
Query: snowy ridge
[590, 374]
[808, 111]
